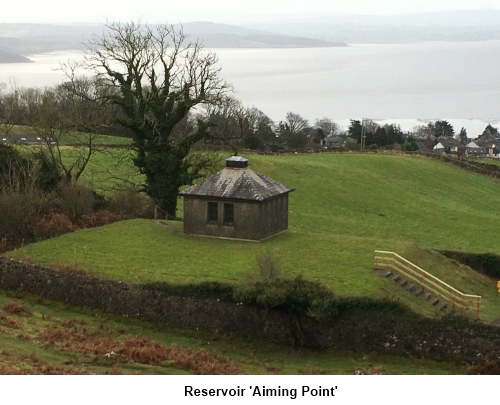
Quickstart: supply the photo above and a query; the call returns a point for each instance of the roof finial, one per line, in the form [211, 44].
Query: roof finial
[237, 161]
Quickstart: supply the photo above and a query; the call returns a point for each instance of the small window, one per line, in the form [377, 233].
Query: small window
[213, 212]
[228, 214]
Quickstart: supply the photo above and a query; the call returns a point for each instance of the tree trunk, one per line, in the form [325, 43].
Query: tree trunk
[163, 181]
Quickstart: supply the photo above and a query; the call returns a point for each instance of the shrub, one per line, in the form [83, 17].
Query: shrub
[56, 225]
[74, 200]
[376, 306]
[269, 266]
[99, 218]
[99, 202]
[485, 263]
[21, 213]
[296, 296]
[129, 202]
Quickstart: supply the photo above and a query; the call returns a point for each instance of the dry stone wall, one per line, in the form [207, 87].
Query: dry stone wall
[351, 330]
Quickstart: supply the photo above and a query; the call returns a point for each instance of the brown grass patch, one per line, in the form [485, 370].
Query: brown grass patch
[17, 308]
[8, 322]
[115, 371]
[31, 364]
[139, 350]
[74, 267]
[489, 367]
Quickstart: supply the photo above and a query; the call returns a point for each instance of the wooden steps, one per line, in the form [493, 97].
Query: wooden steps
[417, 291]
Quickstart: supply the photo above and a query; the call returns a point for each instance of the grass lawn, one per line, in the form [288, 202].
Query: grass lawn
[345, 206]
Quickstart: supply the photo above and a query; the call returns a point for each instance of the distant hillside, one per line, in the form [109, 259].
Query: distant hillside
[230, 36]
[10, 57]
[472, 25]
[458, 18]
[27, 39]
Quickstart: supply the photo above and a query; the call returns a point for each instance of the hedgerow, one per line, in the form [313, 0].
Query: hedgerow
[296, 296]
[484, 263]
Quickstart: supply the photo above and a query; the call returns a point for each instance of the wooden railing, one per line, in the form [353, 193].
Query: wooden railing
[466, 304]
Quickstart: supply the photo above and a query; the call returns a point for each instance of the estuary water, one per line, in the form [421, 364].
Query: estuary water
[408, 84]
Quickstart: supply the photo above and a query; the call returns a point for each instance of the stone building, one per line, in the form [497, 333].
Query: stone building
[236, 203]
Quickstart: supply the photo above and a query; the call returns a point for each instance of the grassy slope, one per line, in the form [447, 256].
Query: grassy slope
[24, 351]
[109, 169]
[428, 202]
[345, 206]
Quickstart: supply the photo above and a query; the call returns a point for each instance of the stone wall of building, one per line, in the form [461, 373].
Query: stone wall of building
[274, 216]
[247, 219]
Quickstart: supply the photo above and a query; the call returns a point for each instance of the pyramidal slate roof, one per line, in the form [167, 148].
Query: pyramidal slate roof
[239, 183]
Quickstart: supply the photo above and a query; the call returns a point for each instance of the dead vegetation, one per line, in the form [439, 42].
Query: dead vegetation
[32, 365]
[99, 341]
[6, 321]
[17, 308]
[74, 267]
[139, 349]
[489, 367]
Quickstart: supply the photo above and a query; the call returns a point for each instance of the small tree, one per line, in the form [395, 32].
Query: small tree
[22, 203]
[269, 266]
[231, 123]
[463, 136]
[296, 123]
[70, 117]
[490, 131]
[292, 131]
[441, 128]
[12, 108]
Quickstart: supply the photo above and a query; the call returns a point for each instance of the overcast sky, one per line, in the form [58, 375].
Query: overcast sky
[154, 11]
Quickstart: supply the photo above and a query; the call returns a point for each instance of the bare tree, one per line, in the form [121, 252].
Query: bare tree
[231, 121]
[22, 203]
[68, 120]
[328, 126]
[157, 77]
[12, 109]
[292, 131]
[295, 122]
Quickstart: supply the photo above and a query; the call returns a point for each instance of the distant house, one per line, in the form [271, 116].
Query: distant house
[421, 147]
[438, 148]
[474, 149]
[448, 145]
[333, 141]
[458, 150]
[236, 203]
[494, 151]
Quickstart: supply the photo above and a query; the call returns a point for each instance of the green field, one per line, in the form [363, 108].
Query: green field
[71, 138]
[344, 208]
